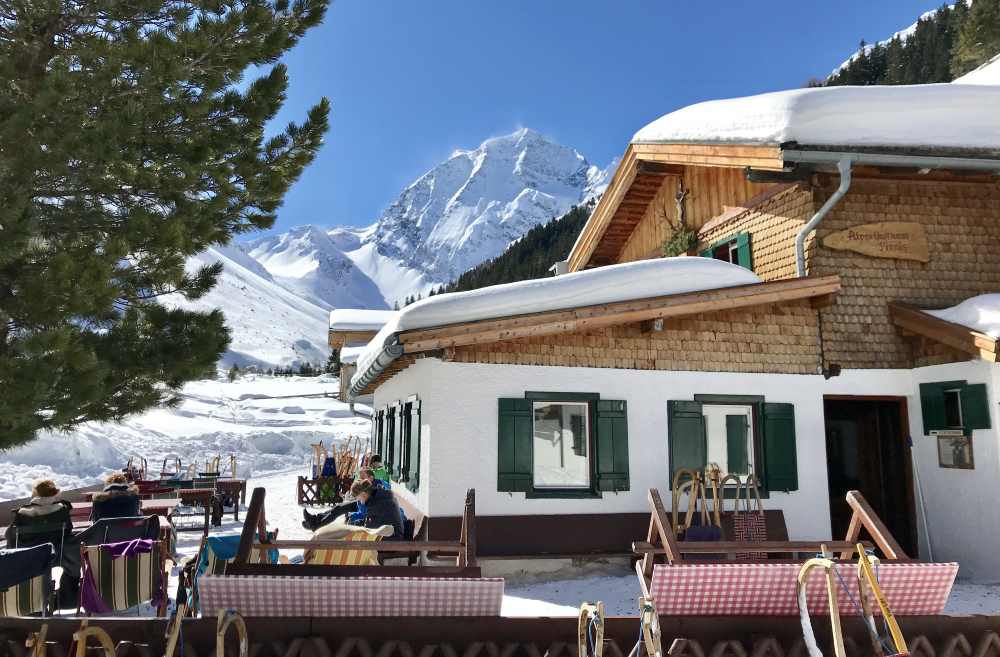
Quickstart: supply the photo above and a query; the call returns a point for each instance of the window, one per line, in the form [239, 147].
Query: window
[734, 249]
[562, 445]
[561, 435]
[396, 436]
[953, 408]
[741, 434]
[954, 405]
[729, 434]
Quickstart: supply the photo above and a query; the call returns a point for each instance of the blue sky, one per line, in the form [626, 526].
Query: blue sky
[410, 82]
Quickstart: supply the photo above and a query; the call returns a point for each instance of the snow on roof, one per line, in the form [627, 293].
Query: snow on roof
[633, 280]
[350, 354]
[988, 73]
[980, 313]
[933, 115]
[356, 319]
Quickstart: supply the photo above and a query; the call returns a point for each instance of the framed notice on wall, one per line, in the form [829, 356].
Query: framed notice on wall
[955, 452]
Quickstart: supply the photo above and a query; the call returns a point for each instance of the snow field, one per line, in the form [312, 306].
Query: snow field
[215, 417]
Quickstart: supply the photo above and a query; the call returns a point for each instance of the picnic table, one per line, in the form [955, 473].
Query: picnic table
[81, 510]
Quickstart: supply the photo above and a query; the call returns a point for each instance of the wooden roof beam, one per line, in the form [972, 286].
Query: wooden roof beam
[613, 314]
[914, 320]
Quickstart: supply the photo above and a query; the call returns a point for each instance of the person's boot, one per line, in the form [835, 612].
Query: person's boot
[309, 521]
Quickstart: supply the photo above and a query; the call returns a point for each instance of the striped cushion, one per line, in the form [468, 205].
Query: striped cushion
[125, 582]
[25, 598]
[347, 557]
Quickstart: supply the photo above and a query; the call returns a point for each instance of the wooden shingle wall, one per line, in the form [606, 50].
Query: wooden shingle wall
[709, 192]
[774, 338]
[962, 222]
[772, 224]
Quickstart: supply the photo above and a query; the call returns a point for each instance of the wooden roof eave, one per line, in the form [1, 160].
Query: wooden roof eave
[913, 319]
[611, 314]
[677, 155]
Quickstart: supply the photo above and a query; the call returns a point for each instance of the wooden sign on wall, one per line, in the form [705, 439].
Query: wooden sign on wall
[887, 239]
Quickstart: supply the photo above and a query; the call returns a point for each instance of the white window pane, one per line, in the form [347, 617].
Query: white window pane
[561, 445]
[717, 436]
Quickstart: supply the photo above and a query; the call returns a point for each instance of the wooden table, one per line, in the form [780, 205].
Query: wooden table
[82, 510]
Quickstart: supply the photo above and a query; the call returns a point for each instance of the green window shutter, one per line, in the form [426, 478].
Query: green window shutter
[975, 407]
[397, 441]
[379, 429]
[389, 433]
[612, 445]
[736, 444]
[932, 406]
[413, 459]
[744, 254]
[706, 253]
[576, 425]
[780, 461]
[514, 449]
[687, 440]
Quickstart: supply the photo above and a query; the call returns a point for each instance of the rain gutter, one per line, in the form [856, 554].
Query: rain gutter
[391, 350]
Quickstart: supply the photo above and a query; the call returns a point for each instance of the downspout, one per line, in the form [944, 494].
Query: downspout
[844, 167]
[391, 350]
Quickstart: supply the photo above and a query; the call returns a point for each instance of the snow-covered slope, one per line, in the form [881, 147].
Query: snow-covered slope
[270, 325]
[466, 210]
[988, 73]
[310, 262]
[903, 35]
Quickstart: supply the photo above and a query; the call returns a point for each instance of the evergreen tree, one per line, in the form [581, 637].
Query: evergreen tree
[333, 362]
[130, 141]
[978, 38]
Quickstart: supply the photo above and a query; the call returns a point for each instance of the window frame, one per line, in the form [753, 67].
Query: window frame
[755, 402]
[590, 491]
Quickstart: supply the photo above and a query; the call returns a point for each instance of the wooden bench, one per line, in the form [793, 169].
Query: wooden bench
[683, 587]
[264, 589]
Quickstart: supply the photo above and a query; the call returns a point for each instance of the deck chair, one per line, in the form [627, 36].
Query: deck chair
[116, 530]
[340, 531]
[681, 587]
[26, 587]
[120, 576]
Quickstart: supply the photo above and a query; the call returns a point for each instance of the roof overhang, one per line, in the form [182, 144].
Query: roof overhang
[585, 318]
[915, 321]
[643, 167]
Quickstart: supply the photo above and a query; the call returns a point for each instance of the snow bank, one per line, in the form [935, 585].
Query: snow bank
[934, 115]
[258, 418]
[356, 319]
[632, 280]
[980, 313]
[988, 73]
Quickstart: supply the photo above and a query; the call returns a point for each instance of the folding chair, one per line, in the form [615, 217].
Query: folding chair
[116, 530]
[340, 557]
[116, 583]
[26, 587]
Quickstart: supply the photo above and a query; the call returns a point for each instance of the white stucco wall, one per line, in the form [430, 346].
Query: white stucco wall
[459, 444]
[962, 506]
[459, 432]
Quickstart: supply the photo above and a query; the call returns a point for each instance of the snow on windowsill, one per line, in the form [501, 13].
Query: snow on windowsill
[930, 115]
[624, 282]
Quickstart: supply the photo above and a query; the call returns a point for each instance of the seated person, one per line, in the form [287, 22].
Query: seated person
[47, 508]
[379, 473]
[378, 505]
[119, 499]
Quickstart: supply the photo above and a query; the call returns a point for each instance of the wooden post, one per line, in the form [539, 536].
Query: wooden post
[470, 528]
[866, 516]
[255, 514]
[663, 527]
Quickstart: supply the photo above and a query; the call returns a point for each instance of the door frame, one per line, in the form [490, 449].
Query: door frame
[908, 482]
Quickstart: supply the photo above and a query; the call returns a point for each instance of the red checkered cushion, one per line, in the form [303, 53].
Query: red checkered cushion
[351, 596]
[720, 589]
[749, 526]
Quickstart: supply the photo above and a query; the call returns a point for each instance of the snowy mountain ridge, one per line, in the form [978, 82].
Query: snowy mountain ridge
[276, 290]
[464, 211]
